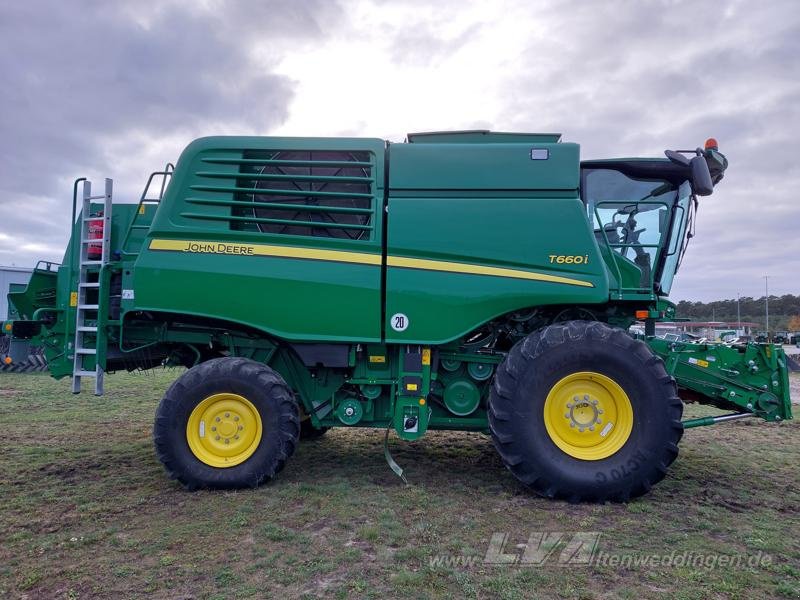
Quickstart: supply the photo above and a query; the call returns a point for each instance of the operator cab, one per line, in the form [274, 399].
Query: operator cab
[642, 211]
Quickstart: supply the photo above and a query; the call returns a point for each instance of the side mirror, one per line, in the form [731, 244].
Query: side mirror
[701, 177]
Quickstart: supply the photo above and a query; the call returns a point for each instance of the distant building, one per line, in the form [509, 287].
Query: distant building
[8, 276]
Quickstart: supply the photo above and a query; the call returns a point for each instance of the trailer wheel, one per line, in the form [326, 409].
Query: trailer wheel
[226, 423]
[582, 411]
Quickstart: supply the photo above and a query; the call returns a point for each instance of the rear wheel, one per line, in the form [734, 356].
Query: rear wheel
[584, 412]
[226, 423]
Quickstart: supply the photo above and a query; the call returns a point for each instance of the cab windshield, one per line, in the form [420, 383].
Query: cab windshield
[639, 224]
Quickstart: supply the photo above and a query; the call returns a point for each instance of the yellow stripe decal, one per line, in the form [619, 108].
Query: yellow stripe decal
[362, 258]
[198, 247]
[452, 267]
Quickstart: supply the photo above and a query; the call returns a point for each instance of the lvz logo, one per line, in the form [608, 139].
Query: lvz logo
[569, 259]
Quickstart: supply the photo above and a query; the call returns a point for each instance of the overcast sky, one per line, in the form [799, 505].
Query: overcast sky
[113, 89]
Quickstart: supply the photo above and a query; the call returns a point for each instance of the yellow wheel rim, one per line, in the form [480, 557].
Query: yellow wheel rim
[588, 415]
[224, 430]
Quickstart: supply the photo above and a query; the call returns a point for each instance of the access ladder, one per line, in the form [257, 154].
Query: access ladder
[89, 332]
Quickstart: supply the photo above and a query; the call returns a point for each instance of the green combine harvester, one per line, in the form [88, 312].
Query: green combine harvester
[470, 281]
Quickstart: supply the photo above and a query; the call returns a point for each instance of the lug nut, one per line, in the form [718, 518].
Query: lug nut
[217, 419]
[227, 441]
[227, 415]
[241, 427]
[236, 418]
[586, 397]
[217, 438]
[213, 428]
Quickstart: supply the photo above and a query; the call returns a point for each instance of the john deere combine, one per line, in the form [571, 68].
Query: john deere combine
[471, 281]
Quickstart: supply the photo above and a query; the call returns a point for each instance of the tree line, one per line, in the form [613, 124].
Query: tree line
[784, 311]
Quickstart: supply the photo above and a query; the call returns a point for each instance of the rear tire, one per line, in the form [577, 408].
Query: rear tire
[226, 423]
[583, 412]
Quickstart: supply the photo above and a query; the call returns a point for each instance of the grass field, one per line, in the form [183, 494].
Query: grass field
[88, 512]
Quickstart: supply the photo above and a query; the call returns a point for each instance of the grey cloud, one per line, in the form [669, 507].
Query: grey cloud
[84, 84]
[421, 43]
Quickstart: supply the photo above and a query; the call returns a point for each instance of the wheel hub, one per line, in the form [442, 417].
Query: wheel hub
[224, 430]
[588, 415]
[584, 413]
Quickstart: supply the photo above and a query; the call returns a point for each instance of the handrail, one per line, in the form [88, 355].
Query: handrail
[71, 267]
[168, 171]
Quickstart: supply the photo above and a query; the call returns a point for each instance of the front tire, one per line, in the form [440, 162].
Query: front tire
[582, 411]
[226, 423]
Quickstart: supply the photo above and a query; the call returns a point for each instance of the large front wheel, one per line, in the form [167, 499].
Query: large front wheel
[584, 412]
[226, 423]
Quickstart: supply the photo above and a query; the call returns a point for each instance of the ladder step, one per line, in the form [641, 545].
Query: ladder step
[91, 262]
[90, 284]
[100, 197]
[85, 351]
[85, 374]
[92, 219]
[87, 329]
[88, 306]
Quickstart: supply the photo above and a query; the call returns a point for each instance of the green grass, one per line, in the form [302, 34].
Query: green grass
[86, 511]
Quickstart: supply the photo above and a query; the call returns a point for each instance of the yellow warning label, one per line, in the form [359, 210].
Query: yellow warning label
[411, 387]
[699, 362]
[73, 298]
[426, 356]
[377, 359]
[141, 209]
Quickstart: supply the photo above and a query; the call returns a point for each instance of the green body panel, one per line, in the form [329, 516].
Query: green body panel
[40, 292]
[481, 136]
[279, 296]
[496, 166]
[485, 231]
